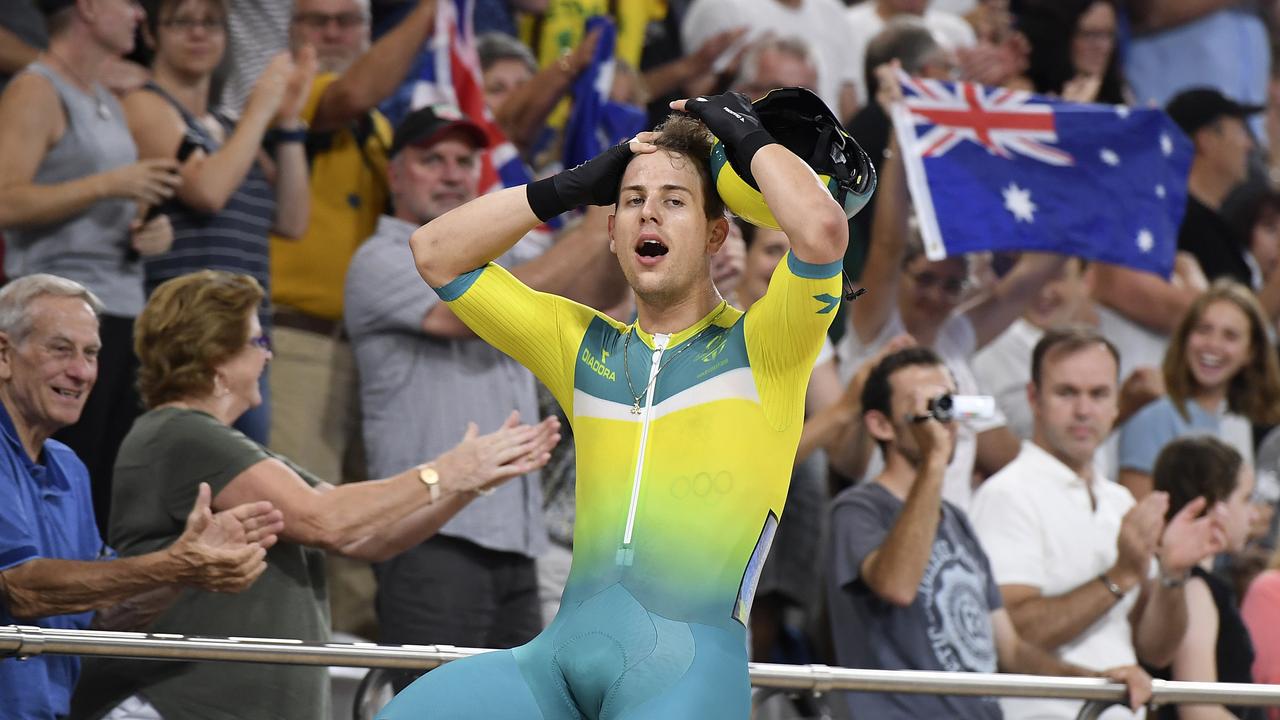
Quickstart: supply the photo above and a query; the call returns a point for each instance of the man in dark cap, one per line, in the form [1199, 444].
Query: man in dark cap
[1217, 126]
[424, 376]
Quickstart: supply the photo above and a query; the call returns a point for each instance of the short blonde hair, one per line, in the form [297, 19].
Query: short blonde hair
[190, 326]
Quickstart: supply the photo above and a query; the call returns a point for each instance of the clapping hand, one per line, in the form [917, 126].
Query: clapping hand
[1190, 537]
[225, 552]
[481, 461]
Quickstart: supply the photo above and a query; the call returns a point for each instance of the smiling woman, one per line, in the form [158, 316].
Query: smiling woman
[1221, 377]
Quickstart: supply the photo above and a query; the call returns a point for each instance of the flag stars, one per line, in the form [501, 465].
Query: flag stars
[1146, 240]
[1122, 111]
[1166, 144]
[1109, 156]
[1160, 191]
[1018, 202]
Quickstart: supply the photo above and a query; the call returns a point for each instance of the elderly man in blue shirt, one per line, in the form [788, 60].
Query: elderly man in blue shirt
[55, 571]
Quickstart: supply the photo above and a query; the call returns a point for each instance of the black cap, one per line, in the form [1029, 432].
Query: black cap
[1198, 107]
[49, 7]
[424, 125]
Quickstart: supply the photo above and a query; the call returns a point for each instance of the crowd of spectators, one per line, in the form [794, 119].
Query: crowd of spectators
[213, 338]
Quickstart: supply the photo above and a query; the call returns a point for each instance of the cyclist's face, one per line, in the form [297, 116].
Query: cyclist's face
[659, 231]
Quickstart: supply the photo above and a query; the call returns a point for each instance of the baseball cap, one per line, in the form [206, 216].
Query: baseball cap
[1193, 109]
[424, 125]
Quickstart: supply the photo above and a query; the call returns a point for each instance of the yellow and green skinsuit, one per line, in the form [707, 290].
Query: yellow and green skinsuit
[685, 445]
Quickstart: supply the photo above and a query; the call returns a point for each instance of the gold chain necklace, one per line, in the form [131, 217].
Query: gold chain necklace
[626, 355]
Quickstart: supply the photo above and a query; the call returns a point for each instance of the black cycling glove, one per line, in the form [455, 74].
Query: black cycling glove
[732, 119]
[594, 182]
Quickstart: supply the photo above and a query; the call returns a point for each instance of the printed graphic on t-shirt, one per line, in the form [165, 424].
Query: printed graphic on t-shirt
[954, 592]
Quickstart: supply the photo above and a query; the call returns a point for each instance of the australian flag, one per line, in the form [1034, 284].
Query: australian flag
[596, 122]
[997, 169]
[447, 72]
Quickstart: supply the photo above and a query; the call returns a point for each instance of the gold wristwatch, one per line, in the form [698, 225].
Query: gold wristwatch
[431, 479]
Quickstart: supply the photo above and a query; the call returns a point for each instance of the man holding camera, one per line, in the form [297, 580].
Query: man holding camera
[1071, 550]
[910, 588]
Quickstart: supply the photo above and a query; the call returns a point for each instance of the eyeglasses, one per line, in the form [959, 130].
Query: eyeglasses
[187, 24]
[320, 21]
[262, 342]
[951, 286]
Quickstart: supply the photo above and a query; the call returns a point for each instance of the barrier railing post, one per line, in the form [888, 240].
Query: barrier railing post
[25, 641]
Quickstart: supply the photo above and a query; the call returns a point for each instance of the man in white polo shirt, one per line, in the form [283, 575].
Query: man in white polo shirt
[1071, 551]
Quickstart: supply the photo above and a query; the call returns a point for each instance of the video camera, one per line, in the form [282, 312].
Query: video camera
[946, 408]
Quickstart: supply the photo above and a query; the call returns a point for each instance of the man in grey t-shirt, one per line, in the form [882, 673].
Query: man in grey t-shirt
[910, 587]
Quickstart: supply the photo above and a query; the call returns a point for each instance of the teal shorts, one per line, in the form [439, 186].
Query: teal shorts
[606, 659]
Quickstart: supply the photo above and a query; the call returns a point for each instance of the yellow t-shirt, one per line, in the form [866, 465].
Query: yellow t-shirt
[348, 193]
[679, 491]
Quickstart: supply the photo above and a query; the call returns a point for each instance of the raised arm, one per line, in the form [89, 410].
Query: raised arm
[803, 207]
[579, 266]
[376, 74]
[523, 114]
[290, 174]
[377, 519]
[480, 231]
[993, 311]
[894, 570]
[1146, 299]
[208, 181]
[1160, 619]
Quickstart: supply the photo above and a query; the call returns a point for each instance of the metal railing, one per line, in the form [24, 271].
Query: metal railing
[26, 641]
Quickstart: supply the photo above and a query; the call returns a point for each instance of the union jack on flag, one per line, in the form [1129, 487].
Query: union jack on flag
[447, 72]
[997, 169]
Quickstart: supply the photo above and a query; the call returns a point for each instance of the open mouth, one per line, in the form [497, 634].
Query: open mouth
[651, 248]
[69, 394]
[1210, 361]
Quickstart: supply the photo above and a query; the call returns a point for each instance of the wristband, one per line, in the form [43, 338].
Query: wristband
[276, 136]
[746, 148]
[1173, 582]
[543, 199]
[1111, 587]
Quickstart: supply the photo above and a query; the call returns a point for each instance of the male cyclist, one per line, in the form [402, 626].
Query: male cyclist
[686, 421]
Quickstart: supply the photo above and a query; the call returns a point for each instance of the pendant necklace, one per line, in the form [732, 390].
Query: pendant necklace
[104, 112]
[626, 354]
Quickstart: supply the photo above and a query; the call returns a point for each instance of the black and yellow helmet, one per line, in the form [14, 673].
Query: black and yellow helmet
[802, 123]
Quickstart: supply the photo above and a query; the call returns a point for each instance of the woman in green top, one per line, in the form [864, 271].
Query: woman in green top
[202, 352]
